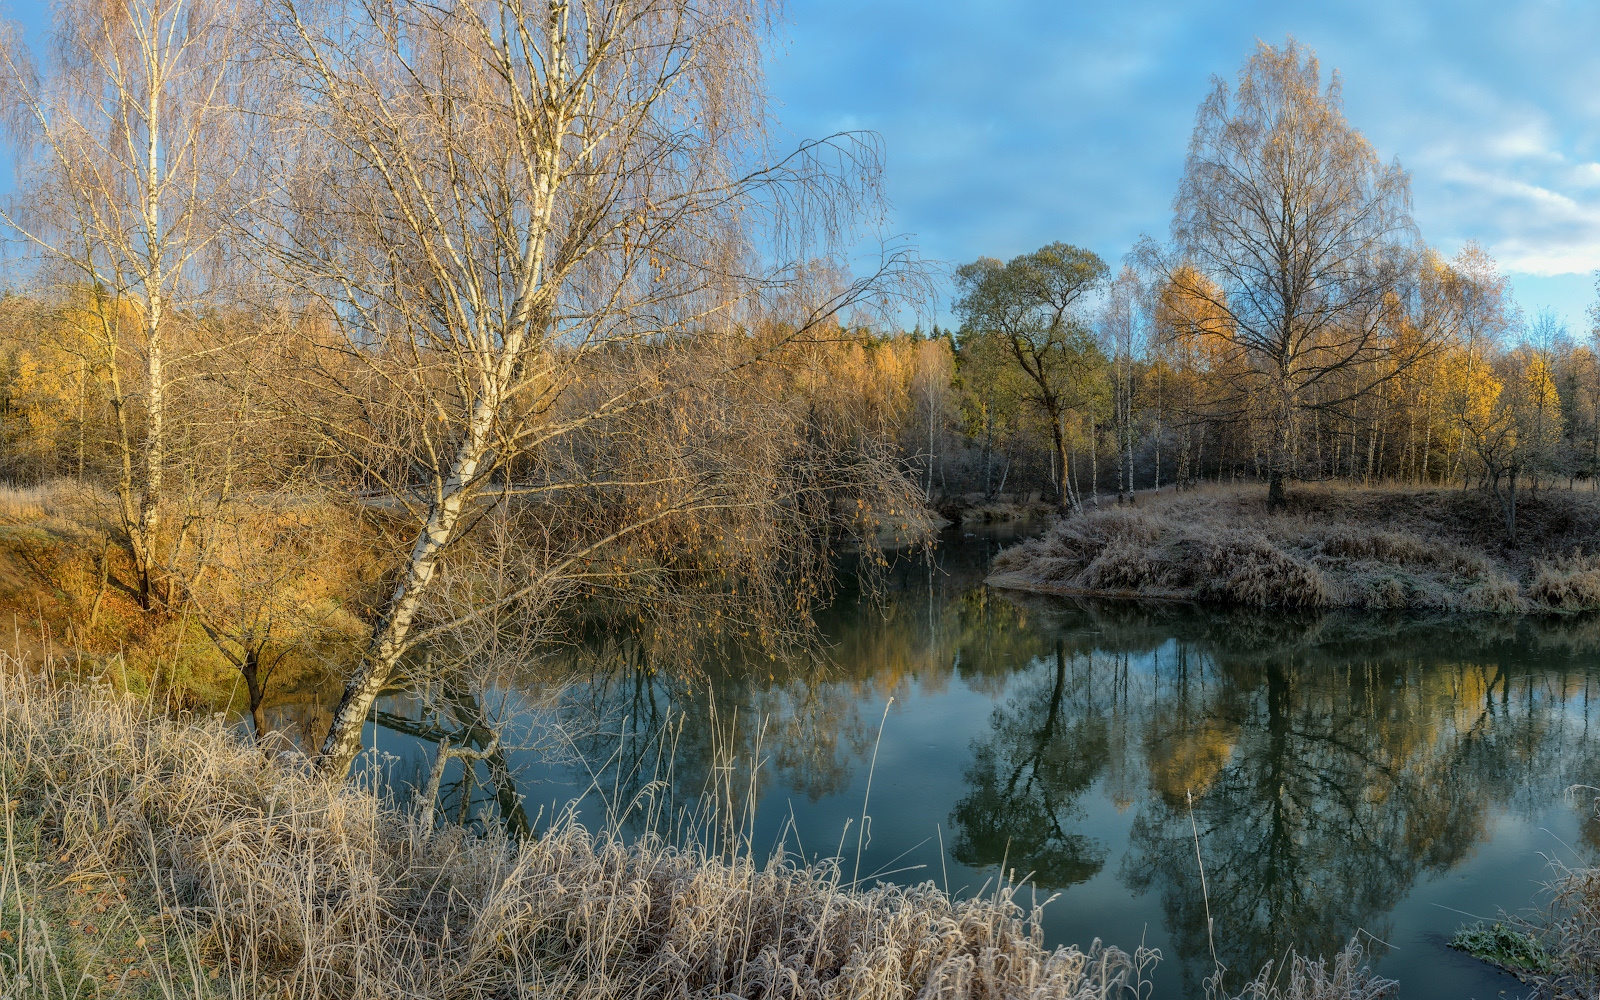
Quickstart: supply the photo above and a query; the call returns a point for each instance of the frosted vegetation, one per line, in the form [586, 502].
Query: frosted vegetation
[345, 339]
[1331, 547]
[220, 873]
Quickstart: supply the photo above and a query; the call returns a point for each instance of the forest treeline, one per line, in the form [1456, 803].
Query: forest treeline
[1151, 407]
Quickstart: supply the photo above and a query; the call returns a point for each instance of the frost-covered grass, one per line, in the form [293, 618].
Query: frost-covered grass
[244, 875]
[1335, 546]
[149, 855]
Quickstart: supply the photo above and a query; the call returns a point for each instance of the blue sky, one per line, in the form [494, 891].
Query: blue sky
[1012, 124]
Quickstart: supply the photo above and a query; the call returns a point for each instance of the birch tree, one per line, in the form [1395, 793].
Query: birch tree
[540, 229]
[1302, 236]
[1122, 331]
[127, 138]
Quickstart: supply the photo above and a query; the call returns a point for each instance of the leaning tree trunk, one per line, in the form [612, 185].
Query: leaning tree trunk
[391, 636]
[389, 641]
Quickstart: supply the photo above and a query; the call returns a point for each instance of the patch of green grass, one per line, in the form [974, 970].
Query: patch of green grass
[73, 929]
[1511, 949]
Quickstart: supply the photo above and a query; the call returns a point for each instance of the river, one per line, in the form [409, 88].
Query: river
[1320, 775]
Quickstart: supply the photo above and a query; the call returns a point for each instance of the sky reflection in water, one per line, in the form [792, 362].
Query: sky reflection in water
[1347, 771]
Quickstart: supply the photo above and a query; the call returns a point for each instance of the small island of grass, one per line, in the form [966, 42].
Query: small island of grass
[1332, 546]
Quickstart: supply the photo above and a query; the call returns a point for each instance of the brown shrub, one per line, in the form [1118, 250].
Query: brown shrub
[1399, 548]
[1124, 564]
[1496, 593]
[1020, 556]
[1337, 545]
[1573, 918]
[1386, 591]
[1240, 567]
[1067, 550]
[1311, 979]
[1570, 583]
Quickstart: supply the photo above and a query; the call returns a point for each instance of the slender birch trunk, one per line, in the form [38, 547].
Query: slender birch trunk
[1094, 462]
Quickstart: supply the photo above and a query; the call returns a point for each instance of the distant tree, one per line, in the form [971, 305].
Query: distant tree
[994, 393]
[933, 404]
[1122, 331]
[129, 140]
[1028, 307]
[1199, 364]
[1512, 416]
[1586, 378]
[1301, 236]
[256, 581]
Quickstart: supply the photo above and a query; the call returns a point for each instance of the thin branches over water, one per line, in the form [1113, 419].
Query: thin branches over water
[331, 892]
[541, 237]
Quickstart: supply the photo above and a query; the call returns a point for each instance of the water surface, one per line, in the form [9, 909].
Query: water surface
[1320, 774]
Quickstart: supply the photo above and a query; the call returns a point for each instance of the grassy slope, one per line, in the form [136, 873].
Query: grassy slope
[65, 596]
[1334, 546]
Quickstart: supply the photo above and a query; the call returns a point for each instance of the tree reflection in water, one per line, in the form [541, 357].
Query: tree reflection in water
[1049, 744]
[1314, 823]
[1334, 761]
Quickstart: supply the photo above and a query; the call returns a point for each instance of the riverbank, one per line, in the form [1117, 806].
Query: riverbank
[1334, 546]
[292, 574]
[1000, 508]
[154, 856]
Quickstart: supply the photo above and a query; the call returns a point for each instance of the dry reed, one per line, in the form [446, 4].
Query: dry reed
[54, 498]
[1572, 924]
[1570, 582]
[1345, 978]
[327, 891]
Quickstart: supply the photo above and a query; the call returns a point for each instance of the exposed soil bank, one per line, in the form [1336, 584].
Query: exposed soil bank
[68, 593]
[1334, 546]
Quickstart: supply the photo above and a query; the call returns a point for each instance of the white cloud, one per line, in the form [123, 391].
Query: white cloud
[1035, 120]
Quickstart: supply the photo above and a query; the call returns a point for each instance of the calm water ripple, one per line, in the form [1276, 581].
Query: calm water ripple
[1338, 772]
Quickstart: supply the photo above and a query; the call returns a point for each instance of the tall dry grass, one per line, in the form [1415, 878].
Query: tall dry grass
[1334, 547]
[327, 891]
[1572, 926]
[1344, 977]
[222, 872]
[63, 498]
